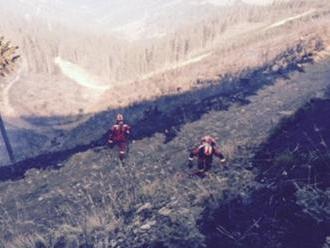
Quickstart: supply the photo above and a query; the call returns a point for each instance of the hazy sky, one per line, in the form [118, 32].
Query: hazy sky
[260, 2]
[129, 16]
[118, 9]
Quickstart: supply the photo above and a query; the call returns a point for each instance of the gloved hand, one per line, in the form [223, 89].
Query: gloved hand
[190, 163]
[111, 144]
[222, 161]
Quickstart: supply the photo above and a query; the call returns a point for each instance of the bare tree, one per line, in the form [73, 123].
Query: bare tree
[8, 58]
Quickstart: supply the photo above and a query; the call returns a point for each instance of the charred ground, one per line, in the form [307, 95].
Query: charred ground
[151, 200]
[290, 207]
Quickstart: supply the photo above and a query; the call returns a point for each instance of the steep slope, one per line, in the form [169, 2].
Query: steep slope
[291, 206]
[94, 201]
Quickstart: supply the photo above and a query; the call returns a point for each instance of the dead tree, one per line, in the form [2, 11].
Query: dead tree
[8, 57]
[6, 140]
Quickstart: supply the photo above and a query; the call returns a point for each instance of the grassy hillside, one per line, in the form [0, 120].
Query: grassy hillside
[239, 91]
[151, 200]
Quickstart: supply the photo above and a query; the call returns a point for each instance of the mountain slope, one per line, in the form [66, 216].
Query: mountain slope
[94, 200]
[52, 114]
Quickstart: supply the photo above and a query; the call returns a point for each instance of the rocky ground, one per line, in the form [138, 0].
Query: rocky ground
[92, 200]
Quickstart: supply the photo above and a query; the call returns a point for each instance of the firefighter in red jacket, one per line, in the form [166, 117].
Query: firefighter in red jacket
[119, 135]
[204, 153]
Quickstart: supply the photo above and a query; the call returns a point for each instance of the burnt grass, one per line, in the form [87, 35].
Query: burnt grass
[292, 167]
[282, 212]
[169, 113]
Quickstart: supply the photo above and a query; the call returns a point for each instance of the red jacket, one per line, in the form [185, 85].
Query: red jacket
[120, 133]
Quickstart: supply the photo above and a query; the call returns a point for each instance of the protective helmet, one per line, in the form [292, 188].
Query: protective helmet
[119, 118]
[208, 139]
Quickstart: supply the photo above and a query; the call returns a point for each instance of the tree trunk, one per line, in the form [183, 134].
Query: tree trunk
[6, 140]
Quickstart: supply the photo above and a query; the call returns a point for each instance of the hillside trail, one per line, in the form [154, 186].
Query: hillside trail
[289, 19]
[6, 106]
[16, 120]
[13, 118]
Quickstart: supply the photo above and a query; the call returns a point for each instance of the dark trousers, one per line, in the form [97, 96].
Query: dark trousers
[122, 145]
[204, 164]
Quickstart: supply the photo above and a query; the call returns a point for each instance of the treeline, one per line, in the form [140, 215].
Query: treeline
[116, 60]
